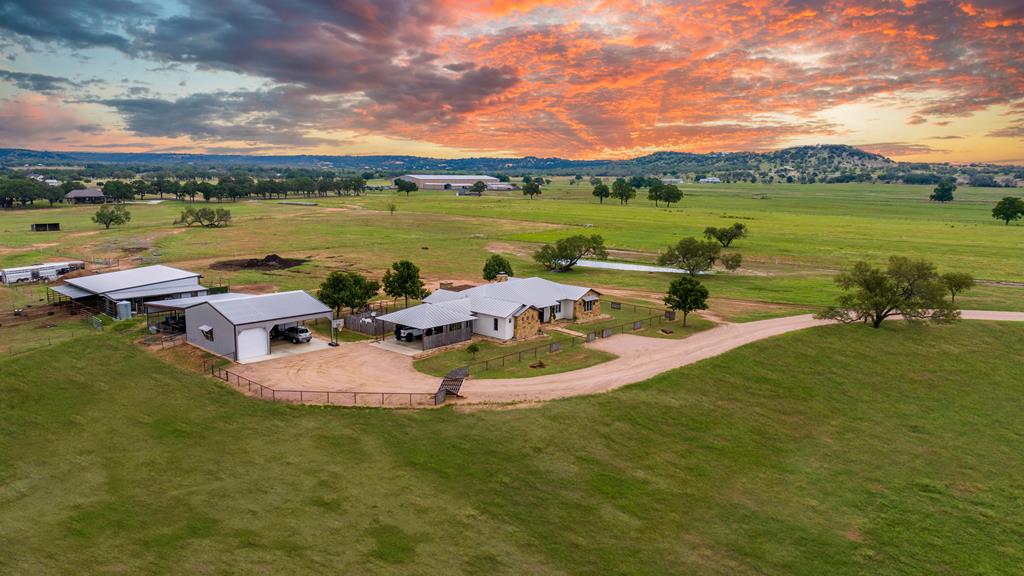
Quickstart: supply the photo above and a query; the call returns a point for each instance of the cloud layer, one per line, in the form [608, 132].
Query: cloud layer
[569, 79]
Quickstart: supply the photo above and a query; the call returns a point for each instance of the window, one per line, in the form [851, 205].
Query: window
[558, 308]
[207, 332]
[495, 324]
[588, 305]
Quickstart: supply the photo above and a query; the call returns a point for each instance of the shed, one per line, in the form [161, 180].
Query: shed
[46, 227]
[239, 326]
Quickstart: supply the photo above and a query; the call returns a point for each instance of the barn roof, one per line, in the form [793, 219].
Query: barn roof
[182, 303]
[128, 279]
[249, 308]
[425, 316]
[87, 193]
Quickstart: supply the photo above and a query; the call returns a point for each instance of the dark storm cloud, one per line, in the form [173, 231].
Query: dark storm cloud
[278, 117]
[75, 23]
[37, 82]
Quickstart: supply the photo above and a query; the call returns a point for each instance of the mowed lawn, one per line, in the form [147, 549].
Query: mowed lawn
[837, 450]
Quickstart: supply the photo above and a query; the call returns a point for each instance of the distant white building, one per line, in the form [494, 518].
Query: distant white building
[710, 180]
[449, 181]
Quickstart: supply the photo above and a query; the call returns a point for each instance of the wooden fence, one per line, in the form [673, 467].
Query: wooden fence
[323, 397]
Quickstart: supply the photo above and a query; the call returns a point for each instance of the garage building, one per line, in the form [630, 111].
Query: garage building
[238, 326]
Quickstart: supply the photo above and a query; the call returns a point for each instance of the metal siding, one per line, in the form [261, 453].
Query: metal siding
[223, 331]
[253, 343]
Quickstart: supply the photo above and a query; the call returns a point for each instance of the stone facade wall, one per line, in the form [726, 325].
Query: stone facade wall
[577, 309]
[527, 324]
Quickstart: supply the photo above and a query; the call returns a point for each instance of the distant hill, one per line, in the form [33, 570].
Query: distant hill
[800, 164]
[659, 161]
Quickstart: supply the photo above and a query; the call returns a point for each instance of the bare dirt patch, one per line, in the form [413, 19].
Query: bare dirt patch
[269, 262]
[254, 288]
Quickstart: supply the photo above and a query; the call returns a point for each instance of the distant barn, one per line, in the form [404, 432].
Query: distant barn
[87, 196]
[449, 181]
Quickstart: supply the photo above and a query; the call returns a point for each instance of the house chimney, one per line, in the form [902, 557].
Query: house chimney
[501, 277]
[445, 285]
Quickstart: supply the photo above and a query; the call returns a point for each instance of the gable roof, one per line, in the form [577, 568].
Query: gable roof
[183, 303]
[128, 279]
[250, 308]
[425, 316]
[86, 193]
[460, 177]
[508, 298]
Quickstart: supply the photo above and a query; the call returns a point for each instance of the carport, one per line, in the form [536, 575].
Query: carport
[239, 328]
[441, 325]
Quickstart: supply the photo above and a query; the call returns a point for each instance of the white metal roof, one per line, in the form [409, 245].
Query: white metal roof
[249, 308]
[183, 303]
[505, 298]
[425, 316]
[444, 177]
[158, 290]
[128, 279]
[70, 291]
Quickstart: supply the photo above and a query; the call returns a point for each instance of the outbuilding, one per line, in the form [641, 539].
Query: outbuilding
[449, 181]
[134, 287]
[239, 326]
[87, 196]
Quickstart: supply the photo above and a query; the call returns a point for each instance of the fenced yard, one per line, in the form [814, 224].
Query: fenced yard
[559, 351]
[368, 398]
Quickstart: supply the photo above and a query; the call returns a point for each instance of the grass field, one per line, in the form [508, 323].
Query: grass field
[791, 456]
[570, 357]
[800, 237]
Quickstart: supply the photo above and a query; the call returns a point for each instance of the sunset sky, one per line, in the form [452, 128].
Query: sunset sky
[911, 79]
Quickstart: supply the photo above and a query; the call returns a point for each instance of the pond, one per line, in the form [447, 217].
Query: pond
[627, 266]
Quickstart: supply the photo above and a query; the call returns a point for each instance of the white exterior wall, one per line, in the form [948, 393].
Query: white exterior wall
[484, 325]
[223, 331]
[566, 313]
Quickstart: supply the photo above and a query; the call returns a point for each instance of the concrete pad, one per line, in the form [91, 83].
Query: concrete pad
[284, 348]
[410, 349]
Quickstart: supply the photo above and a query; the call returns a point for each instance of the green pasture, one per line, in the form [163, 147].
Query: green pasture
[800, 236]
[792, 456]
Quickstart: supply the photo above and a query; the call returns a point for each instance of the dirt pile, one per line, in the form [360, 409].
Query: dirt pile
[269, 262]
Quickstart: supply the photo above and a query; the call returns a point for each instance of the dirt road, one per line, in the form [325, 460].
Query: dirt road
[362, 367]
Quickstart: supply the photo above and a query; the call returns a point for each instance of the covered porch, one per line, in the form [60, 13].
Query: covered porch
[430, 326]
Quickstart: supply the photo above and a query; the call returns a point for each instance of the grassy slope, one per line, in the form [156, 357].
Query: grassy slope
[790, 456]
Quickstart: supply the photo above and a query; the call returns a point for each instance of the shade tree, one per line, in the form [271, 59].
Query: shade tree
[686, 294]
[347, 289]
[1009, 209]
[726, 235]
[910, 288]
[567, 252]
[497, 264]
[692, 255]
[403, 281]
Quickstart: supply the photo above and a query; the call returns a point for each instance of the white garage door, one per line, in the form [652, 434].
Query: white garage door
[252, 343]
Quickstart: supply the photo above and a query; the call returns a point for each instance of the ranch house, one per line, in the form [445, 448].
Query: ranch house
[507, 309]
